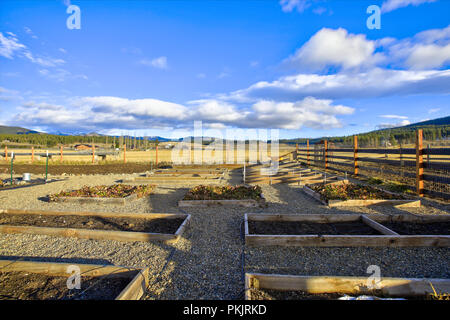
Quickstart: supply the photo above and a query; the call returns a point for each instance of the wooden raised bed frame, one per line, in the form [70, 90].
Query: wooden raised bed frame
[98, 234]
[388, 238]
[133, 291]
[361, 203]
[393, 287]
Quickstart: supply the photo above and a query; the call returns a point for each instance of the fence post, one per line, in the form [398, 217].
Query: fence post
[419, 162]
[32, 154]
[325, 144]
[60, 154]
[156, 160]
[355, 155]
[6, 153]
[307, 152]
[296, 151]
[93, 153]
[125, 153]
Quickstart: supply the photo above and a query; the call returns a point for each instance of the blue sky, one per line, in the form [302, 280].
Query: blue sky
[307, 67]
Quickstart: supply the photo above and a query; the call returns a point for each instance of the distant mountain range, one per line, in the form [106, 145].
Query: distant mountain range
[15, 130]
[439, 122]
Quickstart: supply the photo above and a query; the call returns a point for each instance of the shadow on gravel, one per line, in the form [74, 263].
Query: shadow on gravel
[166, 202]
[59, 260]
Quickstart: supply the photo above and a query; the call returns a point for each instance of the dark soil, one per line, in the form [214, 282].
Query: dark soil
[117, 168]
[266, 294]
[167, 226]
[35, 286]
[409, 228]
[310, 228]
[80, 169]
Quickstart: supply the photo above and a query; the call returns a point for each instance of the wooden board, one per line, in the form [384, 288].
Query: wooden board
[388, 238]
[362, 203]
[392, 287]
[133, 291]
[207, 203]
[98, 234]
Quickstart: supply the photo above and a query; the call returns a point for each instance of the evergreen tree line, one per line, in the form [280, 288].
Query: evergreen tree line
[385, 137]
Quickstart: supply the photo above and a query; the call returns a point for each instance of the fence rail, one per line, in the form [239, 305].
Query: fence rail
[423, 169]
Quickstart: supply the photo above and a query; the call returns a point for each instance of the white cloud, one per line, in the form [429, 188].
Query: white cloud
[290, 5]
[393, 116]
[104, 113]
[391, 5]
[336, 48]
[394, 125]
[9, 46]
[160, 63]
[434, 110]
[429, 49]
[60, 74]
[374, 83]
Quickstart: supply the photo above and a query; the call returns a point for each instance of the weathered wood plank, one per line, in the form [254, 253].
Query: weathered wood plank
[97, 234]
[393, 287]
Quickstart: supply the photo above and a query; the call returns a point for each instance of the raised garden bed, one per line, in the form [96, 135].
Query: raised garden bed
[176, 178]
[339, 230]
[26, 280]
[93, 225]
[349, 194]
[203, 196]
[114, 194]
[276, 286]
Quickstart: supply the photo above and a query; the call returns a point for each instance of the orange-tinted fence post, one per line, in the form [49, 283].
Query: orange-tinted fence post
[307, 152]
[325, 144]
[32, 154]
[419, 162]
[355, 155]
[6, 153]
[296, 152]
[93, 153]
[60, 154]
[156, 160]
[125, 153]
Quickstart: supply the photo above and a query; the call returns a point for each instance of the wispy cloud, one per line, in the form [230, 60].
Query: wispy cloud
[159, 63]
[391, 5]
[10, 47]
[299, 5]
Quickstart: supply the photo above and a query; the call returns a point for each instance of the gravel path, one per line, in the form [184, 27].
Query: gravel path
[207, 262]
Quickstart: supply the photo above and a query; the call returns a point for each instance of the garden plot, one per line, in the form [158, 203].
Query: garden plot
[349, 194]
[93, 225]
[204, 196]
[26, 280]
[178, 177]
[114, 194]
[292, 287]
[19, 183]
[339, 230]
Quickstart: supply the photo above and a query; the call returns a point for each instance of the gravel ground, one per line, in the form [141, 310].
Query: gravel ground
[207, 262]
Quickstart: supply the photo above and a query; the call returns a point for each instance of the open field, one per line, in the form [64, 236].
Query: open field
[210, 259]
[139, 156]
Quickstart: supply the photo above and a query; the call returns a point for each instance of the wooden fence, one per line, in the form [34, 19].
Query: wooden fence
[422, 169]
